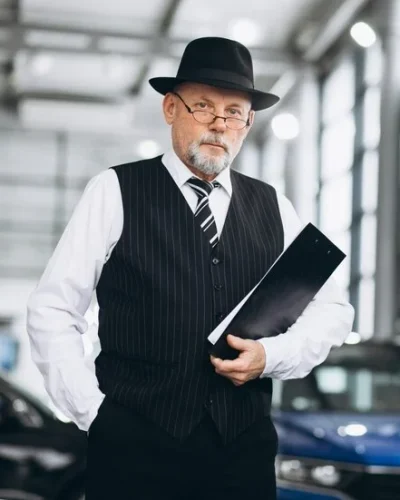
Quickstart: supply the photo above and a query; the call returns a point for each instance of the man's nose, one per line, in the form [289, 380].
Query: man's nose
[219, 124]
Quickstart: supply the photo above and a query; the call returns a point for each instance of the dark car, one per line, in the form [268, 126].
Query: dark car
[41, 458]
[339, 433]
[339, 428]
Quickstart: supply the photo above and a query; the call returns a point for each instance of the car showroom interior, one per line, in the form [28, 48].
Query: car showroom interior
[86, 86]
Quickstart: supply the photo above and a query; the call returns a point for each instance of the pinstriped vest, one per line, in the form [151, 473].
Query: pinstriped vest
[164, 289]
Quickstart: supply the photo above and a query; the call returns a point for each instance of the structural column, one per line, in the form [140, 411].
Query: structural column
[388, 192]
[301, 174]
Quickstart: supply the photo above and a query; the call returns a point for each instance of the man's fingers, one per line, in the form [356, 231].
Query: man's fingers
[237, 379]
[237, 342]
[229, 365]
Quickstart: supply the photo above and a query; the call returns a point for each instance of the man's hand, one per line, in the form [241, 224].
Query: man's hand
[247, 366]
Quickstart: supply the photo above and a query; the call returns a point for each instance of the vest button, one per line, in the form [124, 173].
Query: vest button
[215, 261]
[208, 403]
[220, 316]
[218, 287]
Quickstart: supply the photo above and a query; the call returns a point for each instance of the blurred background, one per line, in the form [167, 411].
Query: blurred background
[75, 100]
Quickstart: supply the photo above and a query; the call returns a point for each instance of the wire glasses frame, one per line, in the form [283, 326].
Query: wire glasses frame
[206, 117]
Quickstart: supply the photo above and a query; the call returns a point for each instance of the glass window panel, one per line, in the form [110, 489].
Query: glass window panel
[338, 92]
[371, 118]
[368, 245]
[274, 162]
[337, 147]
[370, 181]
[28, 154]
[366, 307]
[25, 250]
[336, 204]
[87, 156]
[27, 203]
[72, 197]
[342, 273]
[26, 224]
[373, 64]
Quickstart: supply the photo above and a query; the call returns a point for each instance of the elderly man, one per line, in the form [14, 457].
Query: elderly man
[171, 245]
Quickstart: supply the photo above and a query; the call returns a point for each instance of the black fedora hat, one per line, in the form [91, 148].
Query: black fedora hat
[219, 62]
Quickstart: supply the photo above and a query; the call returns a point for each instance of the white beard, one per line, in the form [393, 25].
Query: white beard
[206, 163]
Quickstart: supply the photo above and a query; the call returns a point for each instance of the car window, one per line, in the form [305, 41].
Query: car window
[296, 395]
[359, 389]
[354, 378]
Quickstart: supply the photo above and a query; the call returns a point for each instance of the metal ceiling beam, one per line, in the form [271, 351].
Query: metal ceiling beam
[332, 27]
[155, 45]
[14, 37]
[283, 88]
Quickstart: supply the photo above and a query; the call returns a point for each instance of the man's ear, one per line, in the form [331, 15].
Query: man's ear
[169, 108]
[252, 115]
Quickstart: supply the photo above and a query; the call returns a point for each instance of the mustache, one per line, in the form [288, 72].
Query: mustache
[214, 139]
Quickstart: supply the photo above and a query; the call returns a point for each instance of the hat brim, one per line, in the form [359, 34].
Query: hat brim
[260, 100]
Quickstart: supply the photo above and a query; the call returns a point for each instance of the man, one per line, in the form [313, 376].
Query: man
[171, 245]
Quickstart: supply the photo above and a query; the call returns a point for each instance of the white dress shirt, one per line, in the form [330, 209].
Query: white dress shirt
[57, 306]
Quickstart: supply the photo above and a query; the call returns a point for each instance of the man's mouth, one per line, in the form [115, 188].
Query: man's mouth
[213, 144]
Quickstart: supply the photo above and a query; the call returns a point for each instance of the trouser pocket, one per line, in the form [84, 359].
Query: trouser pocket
[96, 418]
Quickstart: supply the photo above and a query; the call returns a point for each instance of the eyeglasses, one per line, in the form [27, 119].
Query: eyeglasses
[206, 117]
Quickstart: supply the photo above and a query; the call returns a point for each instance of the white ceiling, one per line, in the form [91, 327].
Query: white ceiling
[119, 15]
[74, 50]
[274, 20]
[83, 66]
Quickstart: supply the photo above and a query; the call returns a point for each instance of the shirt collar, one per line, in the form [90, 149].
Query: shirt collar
[181, 174]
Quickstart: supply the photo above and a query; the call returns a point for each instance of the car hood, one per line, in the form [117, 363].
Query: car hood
[361, 439]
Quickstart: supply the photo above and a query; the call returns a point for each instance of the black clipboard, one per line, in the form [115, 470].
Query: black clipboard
[281, 296]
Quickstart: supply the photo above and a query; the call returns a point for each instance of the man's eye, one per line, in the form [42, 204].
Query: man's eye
[234, 112]
[201, 105]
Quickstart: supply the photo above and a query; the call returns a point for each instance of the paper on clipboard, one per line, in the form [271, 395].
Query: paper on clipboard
[219, 330]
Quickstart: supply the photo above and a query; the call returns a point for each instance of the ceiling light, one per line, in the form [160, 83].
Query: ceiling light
[245, 31]
[285, 126]
[148, 149]
[41, 64]
[92, 117]
[363, 34]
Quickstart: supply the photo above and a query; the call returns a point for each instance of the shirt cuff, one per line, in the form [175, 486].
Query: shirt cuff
[272, 356]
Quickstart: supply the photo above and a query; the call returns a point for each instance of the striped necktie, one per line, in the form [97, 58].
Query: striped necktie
[203, 213]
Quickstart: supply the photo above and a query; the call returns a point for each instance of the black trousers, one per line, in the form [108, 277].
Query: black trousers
[130, 457]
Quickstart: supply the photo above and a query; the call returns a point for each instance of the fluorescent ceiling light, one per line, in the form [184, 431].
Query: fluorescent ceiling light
[41, 64]
[51, 39]
[75, 116]
[245, 31]
[363, 34]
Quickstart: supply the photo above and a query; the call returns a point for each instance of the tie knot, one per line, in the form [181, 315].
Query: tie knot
[201, 187]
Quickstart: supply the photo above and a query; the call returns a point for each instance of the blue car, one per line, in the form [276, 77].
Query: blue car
[339, 428]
